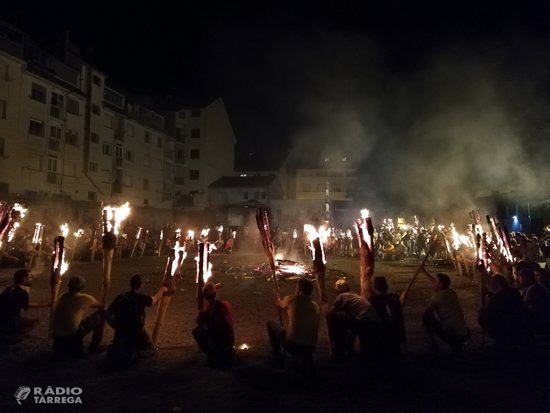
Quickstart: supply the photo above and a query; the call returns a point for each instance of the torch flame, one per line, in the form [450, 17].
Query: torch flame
[37, 237]
[118, 214]
[64, 230]
[179, 247]
[204, 232]
[191, 234]
[78, 233]
[11, 234]
[138, 234]
[364, 213]
[22, 210]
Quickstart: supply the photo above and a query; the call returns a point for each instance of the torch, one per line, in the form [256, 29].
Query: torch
[37, 243]
[204, 270]
[112, 218]
[59, 266]
[138, 235]
[78, 235]
[262, 219]
[8, 223]
[173, 267]
[365, 231]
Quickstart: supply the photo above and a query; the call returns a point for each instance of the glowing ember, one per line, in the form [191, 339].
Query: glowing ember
[115, 216]
[64, 230]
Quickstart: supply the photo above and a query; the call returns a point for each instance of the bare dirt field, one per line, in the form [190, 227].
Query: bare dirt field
[177, 379]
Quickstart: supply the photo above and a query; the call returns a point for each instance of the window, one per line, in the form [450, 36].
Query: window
[118, 151]
[147, 160]
[145, 184]
[96, 110]
[56, 99]
[147, 136]
[71, 138]
[264, 195]
[181, 115]
[195, 154]
[55, 132]
[92, 167]
[96, 80]
[129, 156]
[36, 127]
[38, 93]
[2, 147]
[92, 196]
[320, 187]
[73, 106]
[51, 175]
[195, 133]
[108, 121]
[94, 138]
[196, 113]
[179, 135]
[179, 180]
[107, 149]
[159, 141]
[306, 187]
[193, 174]
[3, 105]
[130, 130]
[127, 180]
[245, 195]
[180, 157]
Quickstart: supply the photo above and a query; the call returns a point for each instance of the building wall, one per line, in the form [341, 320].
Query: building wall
[311, 184]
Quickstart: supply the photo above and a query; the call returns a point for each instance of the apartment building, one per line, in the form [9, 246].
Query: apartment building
[66, 133]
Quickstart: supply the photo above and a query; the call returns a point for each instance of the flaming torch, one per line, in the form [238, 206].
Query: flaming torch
[112, 218]
[204, 270]
[9, 218]
[173, 268]
[59, 267]
[262, 219]
[37, 242]
[78, 235]
[365, 231]
[138, 236]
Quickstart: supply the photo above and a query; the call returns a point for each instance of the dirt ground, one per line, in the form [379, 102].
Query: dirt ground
[177, 379]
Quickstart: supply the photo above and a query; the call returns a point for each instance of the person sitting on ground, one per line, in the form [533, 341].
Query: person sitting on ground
[14, 302]
[214, 332]
[392, 321]
[352, 315]
[69, 323]
[300, 338]
[444, 316]
[505, 317]
[126, 315]
[537, 299]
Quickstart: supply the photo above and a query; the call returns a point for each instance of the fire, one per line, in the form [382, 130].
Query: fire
[176, 263]
[244, 347]
[11, 234]
[138, 234]
[38, 230]
[191, 234]
[364, 213]
[204, 232]
[64, 230]
[313, 234]
[220, 228]
[78, 233]
[294, 233]
[115, 216]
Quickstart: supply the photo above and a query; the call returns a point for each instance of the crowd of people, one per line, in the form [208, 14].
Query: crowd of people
[515, 313]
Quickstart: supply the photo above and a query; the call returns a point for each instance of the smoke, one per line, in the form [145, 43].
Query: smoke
[430, 140]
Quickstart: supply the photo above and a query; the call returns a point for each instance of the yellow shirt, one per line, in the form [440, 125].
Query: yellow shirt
[303, 318]
[69, 312]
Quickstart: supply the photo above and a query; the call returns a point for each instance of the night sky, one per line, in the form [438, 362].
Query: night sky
[432, 101]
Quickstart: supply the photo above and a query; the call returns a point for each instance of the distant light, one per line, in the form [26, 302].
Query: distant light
[515, 218]
[243, 175]
[326, 159]
[344, 159]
